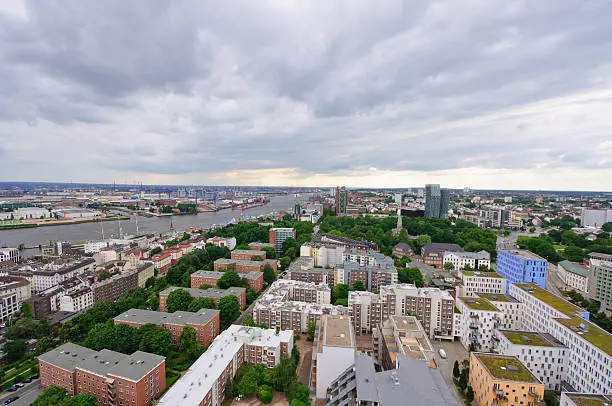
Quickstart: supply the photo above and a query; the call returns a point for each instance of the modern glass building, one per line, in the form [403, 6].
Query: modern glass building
[521, 266]
[437, 201]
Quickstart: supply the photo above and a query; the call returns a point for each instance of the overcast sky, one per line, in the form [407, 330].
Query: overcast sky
[487, 93]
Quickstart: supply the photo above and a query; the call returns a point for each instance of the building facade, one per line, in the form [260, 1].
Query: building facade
[214, 294]
[278, 236]
[574, 276]
[470, 260]
[474, 282]
[521, 266]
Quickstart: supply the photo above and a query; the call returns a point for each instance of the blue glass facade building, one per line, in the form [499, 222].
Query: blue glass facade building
[520, 266]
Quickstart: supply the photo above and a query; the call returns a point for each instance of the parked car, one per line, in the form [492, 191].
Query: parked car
[11, 400]
[12, 388]
[27, 380]
[442, 353]
[20, 385]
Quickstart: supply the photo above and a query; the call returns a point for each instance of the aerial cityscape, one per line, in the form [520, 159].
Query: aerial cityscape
[305, 203]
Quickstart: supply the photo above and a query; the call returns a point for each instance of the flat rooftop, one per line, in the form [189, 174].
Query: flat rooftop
[481, 274]
[525, 254]
[495, 297]
[249, 252]
[575, 268]
[593, 333]
[590, 399]
[228, 261]
[67, 356]
[476, 303]
[201, 317]
[208, 274]
[212, 292]
[531, 338]
[506, 368]
[337, 331]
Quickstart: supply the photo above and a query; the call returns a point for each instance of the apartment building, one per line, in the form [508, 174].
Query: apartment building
[589, 359]
[204, 382]
[290, 305]
[238, 265]
[542, 354]
[434, 308]
[113, 378]
[116, 286]
[511, 309]
[599, 259]
[162, 262]
[333, 352]
[470, 260]
[223, 242]
[475, 282]
[401, 335]
[10, 254]
[574, 276]
[77, 300]
[248, 255]
[600, 286]
[259, 246]
[204, 321]
[372, 276]
[13, 292]
[521, 266]
[314, 275]
[479, 322]
[278, 236]
[146, 270]
[52, 273]
[582, 399]
[433, 254]
[199, 278]
[214, 294]
[502, 379]
[324, 254]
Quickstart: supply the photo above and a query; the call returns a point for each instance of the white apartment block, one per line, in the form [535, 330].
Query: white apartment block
[542, 354]
[589, 367]
[324, 255]
[10, 254]
[50, 275]
[581, 399]
[575, 276]
[13, 292]
[78, 300]
[204, 382]
[431, 306]
[480, 320]
[475, 282]
[473, 260]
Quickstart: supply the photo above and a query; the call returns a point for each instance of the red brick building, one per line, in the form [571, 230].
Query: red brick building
[162, 262]
[204, 321]
[238, 265]
[113, 378]
[215, 294]
[248, 255]
[255, 279]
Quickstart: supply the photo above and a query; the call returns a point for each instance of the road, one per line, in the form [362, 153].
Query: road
[27, 394]
[454, 351]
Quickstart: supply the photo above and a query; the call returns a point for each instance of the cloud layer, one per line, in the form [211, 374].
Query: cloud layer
[489, 93]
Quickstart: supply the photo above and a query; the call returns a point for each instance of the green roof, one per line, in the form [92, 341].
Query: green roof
[587, 399]
[526, 338]
[476, 303]
[595, 335]
[495, 297]
[506, 368]
[482, 274]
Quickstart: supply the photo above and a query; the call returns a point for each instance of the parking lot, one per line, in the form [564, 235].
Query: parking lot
[454, 351]
[27, 394]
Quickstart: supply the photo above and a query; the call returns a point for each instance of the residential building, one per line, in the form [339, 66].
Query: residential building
[10, 254]
[204, 382]
[475, 282]
[584, 399]
[116, 286]
[238, 265]
[255, 280]
[433, 254]
[311, 275]
[290, 305]
[162, 262]
[204, 321]
[470, 260]
[78, 300]
[342, 198]
[595, 217]
[323, 254]
[259, 246]
[574, 276]
[402, 249]
[599, 259]
[333, 352]
[248, 255]
[13, 292]
[502, 379]
[214, 294]
[199, 278]
[224, 242]
[521, 266]
[437, 202]
[434, 308]
[600, 286]
[146, 271]
[480, 320]
[372, 277]
[401, 335]
[590, 347]
[113, 378]
[52, 273]
[542, 354]
[279, 235]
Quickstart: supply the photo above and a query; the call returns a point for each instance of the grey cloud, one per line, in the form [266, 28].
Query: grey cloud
[182, 87]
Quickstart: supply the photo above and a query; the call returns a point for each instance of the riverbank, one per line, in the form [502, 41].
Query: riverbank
[62, 222]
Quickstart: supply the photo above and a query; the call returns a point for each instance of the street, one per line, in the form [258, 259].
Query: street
[454, 351]
[27, 395]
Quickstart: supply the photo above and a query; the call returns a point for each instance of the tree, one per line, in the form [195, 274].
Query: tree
[469, 395]
[265, 396]
[15, 350]
[178, 300]
[231, 278]
[301, 393]
[188, 344]
[270, 252]
[449, 266]
[50, 396]
[251, 295]
[285, 261]
[573, 253]
[101, 336]
[607, 227]
[44, 344]
[341, 291]
[26, 310]
[269, 274]
[127, 339]
[358, 286]
[423, 240]
[205, 286]
[155, 340]
[456, 371]
[229, 310]
[153, 301]
[483, 268]
[463, 379]
[201, 303]
[229, 388]
[248, 384]
[155, 251]
[310, 330]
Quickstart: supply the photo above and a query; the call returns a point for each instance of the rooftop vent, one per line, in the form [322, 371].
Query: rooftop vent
[512, 368]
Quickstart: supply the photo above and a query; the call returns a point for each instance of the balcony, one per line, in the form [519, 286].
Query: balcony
[533, 393]
[474, 326]
[498, 392]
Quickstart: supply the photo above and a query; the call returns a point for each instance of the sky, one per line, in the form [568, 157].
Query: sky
[491, 94]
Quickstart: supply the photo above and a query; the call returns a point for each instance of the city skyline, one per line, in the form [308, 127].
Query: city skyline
[494, 95]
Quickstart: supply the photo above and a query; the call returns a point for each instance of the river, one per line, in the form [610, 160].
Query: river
[146, 225]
